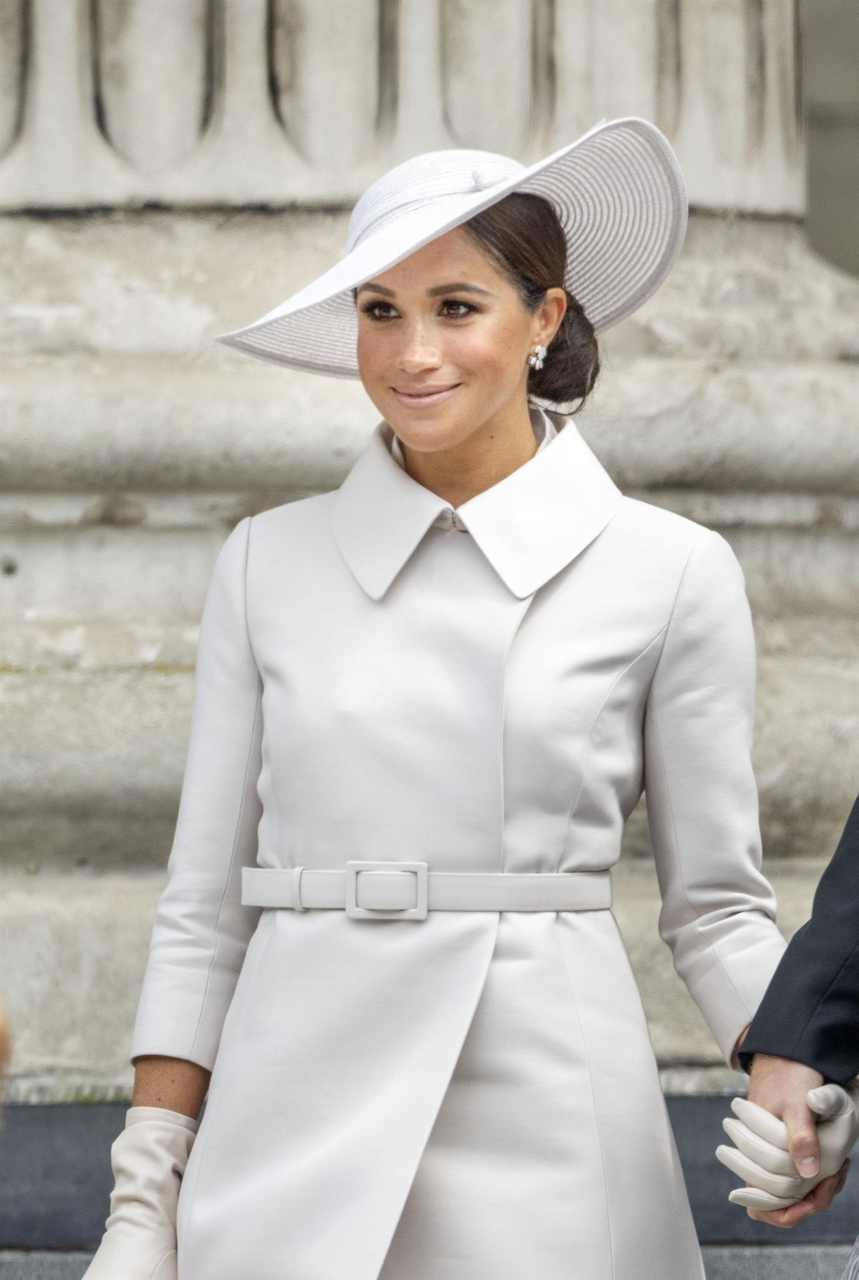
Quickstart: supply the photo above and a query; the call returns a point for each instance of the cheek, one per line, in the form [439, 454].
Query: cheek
[490, 351]
[368, 351]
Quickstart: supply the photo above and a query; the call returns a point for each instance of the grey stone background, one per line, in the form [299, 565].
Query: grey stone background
[169, 171]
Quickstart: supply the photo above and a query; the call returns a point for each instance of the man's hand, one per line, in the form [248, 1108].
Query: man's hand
[817, 1201]
[780, 1086]
[777, 1141]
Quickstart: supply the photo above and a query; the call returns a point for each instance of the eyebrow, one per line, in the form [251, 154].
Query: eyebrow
[457, 287]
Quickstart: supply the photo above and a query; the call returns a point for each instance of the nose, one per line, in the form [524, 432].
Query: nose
[418, 350]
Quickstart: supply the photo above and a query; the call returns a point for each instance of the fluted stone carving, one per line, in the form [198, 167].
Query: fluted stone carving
[119, 102]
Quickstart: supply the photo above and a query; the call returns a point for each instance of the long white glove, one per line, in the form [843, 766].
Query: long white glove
[148, 1159]
[761, 1155]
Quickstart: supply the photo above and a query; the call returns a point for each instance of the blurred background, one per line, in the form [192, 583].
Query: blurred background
[170, 169]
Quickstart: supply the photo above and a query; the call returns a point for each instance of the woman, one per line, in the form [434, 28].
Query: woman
[426, 704]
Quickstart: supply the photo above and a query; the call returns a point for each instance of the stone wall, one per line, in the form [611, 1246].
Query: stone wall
[130, 444]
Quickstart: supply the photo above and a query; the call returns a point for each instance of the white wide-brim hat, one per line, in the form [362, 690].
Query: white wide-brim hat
[619, 194]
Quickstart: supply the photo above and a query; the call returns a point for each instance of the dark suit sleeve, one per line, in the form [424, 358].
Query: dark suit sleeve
[810, 1012]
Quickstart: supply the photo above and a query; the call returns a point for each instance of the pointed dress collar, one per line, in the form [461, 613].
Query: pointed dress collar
[529, 525]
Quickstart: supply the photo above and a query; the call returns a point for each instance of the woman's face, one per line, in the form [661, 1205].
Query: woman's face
[443, 341]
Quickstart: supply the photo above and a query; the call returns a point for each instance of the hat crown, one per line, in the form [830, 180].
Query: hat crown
[423, 180]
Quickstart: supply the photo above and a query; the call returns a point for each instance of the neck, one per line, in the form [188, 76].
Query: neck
[484, 458]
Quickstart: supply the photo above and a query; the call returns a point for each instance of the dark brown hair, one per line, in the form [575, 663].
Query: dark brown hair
[525, 239]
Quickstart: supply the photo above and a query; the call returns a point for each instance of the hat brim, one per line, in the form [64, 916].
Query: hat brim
[621, 199]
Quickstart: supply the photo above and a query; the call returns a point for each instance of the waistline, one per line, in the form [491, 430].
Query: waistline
[407, 890]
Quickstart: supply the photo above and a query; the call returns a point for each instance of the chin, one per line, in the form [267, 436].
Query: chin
[433, 433]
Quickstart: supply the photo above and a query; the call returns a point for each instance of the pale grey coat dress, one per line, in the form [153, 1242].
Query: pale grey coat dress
[473, 1095]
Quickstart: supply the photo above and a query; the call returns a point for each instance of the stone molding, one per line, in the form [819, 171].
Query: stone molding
[285, 102]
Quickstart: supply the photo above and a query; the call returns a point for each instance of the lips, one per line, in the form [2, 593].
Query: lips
[425, 395]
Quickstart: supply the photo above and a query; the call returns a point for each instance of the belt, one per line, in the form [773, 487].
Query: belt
[408, 890]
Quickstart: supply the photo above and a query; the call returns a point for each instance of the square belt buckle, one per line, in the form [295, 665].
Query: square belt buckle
[417, 912]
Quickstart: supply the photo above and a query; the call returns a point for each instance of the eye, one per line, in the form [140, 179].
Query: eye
[467, 308]
[371, 309]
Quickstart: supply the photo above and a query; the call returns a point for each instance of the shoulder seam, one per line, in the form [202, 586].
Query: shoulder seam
[667, 625]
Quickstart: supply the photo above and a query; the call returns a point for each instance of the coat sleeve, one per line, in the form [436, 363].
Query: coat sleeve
[201, 930]
[718, 910]
[811, 1011]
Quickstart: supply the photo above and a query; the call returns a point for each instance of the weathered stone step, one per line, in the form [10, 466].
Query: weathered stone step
[117, 423]
[168, 280]
[71, 1036]
[125, 588]
[92, 757]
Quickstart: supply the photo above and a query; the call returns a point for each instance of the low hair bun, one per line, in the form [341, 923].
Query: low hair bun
[571, 364]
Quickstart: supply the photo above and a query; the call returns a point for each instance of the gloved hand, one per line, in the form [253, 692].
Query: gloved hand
[148, 1159]
[761, 1156]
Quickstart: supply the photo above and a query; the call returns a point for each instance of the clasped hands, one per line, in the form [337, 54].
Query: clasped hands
[792, 1137]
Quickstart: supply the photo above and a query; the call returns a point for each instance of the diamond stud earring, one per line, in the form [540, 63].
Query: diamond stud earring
[537, 357]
